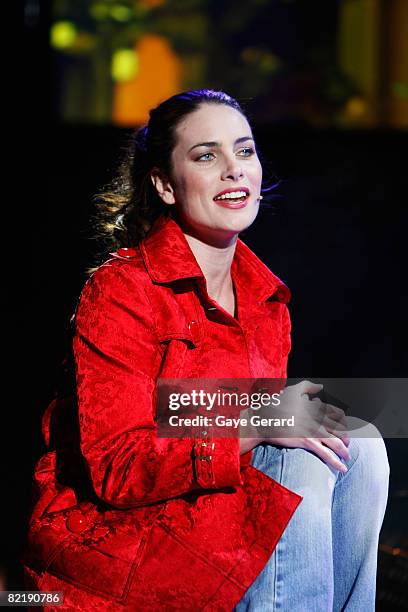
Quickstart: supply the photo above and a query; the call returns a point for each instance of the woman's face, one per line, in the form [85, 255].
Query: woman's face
[216, 174]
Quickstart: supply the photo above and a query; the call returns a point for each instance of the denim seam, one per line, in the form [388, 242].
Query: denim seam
[277, 555]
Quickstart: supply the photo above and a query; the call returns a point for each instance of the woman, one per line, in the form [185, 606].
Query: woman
[127, 520]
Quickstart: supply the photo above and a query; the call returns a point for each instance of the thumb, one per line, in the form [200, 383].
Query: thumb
[311, 387]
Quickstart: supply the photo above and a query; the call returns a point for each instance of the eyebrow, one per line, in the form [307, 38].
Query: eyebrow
[213, 143]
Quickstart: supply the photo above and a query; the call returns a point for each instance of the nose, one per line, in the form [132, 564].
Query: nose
[233, 170]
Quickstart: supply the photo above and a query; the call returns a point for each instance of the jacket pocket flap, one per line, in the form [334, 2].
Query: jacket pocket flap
[103, 568]
[100, 559]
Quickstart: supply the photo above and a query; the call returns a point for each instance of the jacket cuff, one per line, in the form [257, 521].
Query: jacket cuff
[217, 462]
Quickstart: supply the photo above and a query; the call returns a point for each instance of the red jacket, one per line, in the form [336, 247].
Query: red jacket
[124, 519]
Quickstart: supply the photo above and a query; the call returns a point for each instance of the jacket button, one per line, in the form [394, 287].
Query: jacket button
[192, 325]
[76, 522]
[126, 252]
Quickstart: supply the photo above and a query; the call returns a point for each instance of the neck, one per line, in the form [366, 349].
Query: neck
[215, 263]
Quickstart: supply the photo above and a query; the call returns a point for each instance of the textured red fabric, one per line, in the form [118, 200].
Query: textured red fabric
[124, 519]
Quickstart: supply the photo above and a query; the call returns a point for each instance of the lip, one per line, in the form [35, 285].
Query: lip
[226, 204]
[229, 203]
[231, 191]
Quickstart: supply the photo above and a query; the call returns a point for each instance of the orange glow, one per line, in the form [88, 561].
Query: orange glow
[158, 77]
[356, 107]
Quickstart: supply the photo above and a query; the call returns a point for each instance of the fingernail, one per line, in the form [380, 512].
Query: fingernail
[344, 469]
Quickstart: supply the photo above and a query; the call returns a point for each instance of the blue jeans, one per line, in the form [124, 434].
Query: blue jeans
[326, 560]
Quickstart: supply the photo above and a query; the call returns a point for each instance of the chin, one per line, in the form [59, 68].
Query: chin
[239, 223]
[235, 228]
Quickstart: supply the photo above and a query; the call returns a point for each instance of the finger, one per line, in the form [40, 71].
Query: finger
[336, 410]
[337, 446]
[336, 413]
[337, 425]
[318, 405]
[342, 435]
[326, 455]
[338, 430]
[327, 417]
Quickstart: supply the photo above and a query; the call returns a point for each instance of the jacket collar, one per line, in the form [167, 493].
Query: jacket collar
[168, 257]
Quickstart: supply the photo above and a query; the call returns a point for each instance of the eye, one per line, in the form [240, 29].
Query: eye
[205, 157]
[246, 152]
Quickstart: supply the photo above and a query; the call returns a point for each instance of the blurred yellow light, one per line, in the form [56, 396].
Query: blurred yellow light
[120, 12]
[63, 34]
[356, 107]
[124, 65]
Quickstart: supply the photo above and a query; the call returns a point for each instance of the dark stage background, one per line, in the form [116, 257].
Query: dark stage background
[336, 234]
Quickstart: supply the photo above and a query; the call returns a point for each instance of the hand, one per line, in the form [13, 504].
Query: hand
[319, 427]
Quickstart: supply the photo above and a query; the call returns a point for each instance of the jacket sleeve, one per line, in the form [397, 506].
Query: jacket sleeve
[117, 361]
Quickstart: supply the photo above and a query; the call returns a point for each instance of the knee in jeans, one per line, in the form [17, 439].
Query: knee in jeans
[314, 480]
[313, 468]
[367, 446]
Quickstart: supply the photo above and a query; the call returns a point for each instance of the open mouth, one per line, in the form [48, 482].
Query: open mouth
[232, 197]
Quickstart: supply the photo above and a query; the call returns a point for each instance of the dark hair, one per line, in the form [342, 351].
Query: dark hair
[130, 205]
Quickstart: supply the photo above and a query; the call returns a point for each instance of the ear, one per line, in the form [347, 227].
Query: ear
[163, 186]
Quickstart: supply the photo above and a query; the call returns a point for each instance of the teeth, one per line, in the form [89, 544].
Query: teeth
[232, 195]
